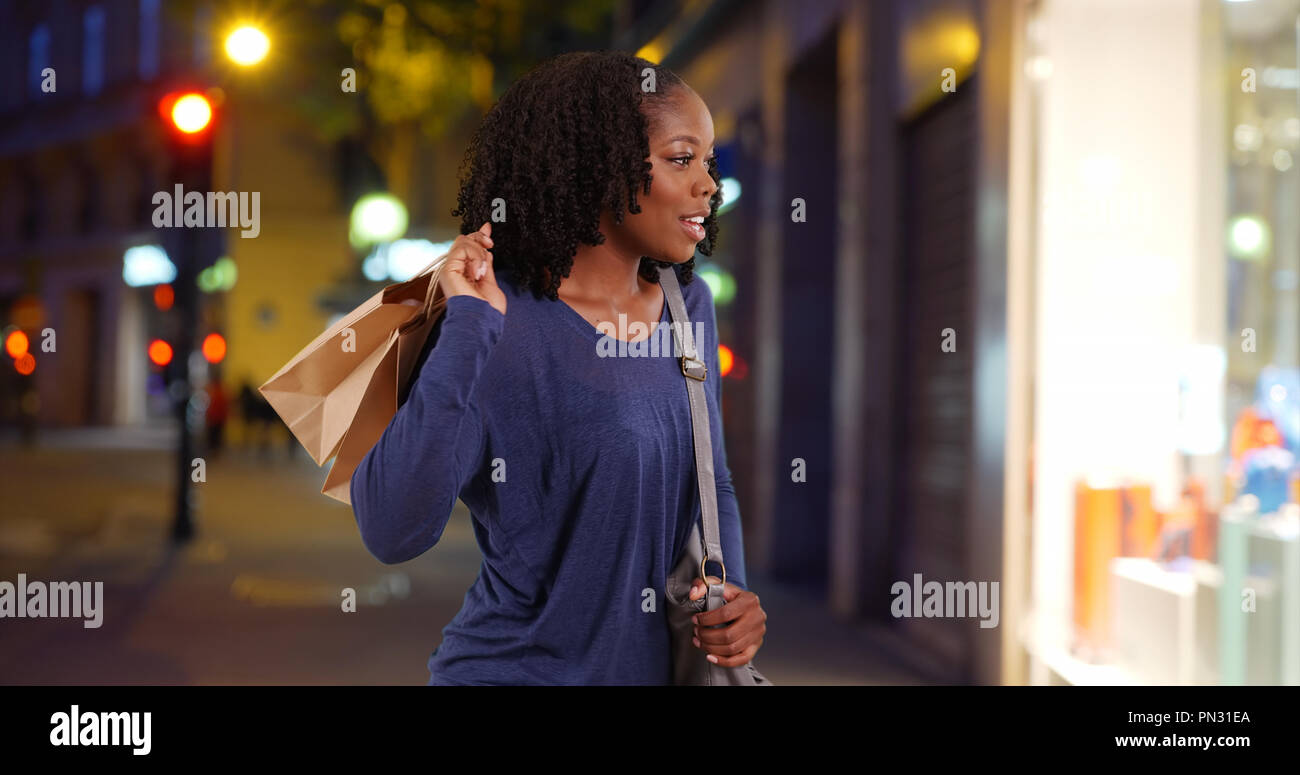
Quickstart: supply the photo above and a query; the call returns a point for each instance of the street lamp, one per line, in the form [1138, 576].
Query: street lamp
[377, 217]
[247, 45]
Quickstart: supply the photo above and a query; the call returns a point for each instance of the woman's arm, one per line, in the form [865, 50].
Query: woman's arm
[404, 489]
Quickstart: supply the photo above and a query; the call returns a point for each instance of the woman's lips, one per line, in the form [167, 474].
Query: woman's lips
[696, 230]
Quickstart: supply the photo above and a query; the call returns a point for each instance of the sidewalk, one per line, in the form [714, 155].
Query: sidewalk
[256, 598]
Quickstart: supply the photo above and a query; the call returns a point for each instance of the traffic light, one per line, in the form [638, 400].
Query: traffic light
[190, 118]
[188, 115]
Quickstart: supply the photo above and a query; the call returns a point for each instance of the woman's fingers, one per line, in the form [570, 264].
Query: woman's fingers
[739, 659]
[474, 256]
[741, 633]
[464, 267]
[487, 268]
[468, 269]
[699, 588]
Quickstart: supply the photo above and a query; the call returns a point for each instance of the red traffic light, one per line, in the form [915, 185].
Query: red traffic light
[191, 113]
[188, 113]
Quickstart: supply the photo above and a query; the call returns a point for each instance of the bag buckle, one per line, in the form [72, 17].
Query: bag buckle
[705, 578]
[695, 362]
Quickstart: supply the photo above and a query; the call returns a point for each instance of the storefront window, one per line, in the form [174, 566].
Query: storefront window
[1165, 508]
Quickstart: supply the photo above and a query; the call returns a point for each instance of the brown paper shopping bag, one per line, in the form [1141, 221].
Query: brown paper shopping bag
[340, 392]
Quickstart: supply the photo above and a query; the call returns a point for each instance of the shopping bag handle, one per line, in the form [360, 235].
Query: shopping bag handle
[434, 270]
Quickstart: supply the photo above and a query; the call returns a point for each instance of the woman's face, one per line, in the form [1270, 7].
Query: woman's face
[669, 224]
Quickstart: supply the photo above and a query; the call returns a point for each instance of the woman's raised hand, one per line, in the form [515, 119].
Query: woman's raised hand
[468, 271]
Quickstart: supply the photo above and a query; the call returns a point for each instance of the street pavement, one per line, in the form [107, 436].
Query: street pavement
[256, 598]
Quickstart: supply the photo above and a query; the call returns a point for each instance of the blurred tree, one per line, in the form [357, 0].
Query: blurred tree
[422, 67]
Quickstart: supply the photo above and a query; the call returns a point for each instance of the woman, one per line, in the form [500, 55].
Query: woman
[578, 469]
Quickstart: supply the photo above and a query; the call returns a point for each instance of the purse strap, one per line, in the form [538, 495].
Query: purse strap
[695, 372]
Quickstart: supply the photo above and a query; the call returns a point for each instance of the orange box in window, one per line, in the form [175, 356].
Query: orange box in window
[1206, 523]
[1097, 541]
[1139, 521]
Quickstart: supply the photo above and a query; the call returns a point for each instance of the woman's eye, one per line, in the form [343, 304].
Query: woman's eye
[683, 160]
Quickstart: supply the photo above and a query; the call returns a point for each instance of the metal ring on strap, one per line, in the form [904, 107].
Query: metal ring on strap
[705, 578]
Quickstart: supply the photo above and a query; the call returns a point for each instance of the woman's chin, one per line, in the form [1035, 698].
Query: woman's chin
[681, 256]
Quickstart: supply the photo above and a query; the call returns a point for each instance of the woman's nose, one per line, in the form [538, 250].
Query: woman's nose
[707, 187]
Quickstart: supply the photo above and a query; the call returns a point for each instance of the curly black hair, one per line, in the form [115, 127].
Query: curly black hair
[564, 143]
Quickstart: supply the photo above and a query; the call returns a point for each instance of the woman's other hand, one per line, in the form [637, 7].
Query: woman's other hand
[468, 271]
[746, 623]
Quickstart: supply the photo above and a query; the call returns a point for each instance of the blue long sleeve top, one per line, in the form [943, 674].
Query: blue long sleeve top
[579, 474]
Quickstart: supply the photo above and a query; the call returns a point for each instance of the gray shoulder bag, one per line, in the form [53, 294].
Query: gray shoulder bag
[691, 666]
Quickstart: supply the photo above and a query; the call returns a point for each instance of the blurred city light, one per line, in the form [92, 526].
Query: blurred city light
[220, 276]
[406, 257]
[1248, 237]
[28, 312]
[375, 265]
[147, 265]
[721, 282]
[214, 347]
[160, 352]
[191, 113]
[1247, 137]
[377, 218]
[725, 359]
[247, 46]
[25, 364]
[963, 40]
[16, 344]
[652, 52]
[730, 194]
[1038, 68]
[163, 297]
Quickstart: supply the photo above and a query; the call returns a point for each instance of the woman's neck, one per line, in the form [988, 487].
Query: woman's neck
[600, 273]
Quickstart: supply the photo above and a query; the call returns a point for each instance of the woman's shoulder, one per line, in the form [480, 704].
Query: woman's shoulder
[697, 295]
[512, 287]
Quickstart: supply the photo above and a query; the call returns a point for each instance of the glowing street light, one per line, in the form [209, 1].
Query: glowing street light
[247, 46]
[377, 218]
